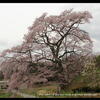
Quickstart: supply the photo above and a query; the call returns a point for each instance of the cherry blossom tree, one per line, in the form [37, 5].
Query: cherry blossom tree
[59, 36]
[57, 39]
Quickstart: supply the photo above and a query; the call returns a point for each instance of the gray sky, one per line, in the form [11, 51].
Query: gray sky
[16, 17]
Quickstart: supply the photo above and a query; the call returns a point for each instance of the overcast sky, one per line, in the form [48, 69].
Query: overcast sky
[16, 17]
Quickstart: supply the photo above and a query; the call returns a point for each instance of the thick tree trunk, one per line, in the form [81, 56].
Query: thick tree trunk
[63, 79]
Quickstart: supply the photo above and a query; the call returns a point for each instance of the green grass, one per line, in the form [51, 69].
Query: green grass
[4, 94]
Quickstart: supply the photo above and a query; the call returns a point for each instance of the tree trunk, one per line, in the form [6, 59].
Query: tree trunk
[62, 87]
[63, 78]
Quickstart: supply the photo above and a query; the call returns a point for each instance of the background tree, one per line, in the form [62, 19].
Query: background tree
[97, 61]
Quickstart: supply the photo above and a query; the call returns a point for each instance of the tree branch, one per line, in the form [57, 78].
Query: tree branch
[65, 53]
